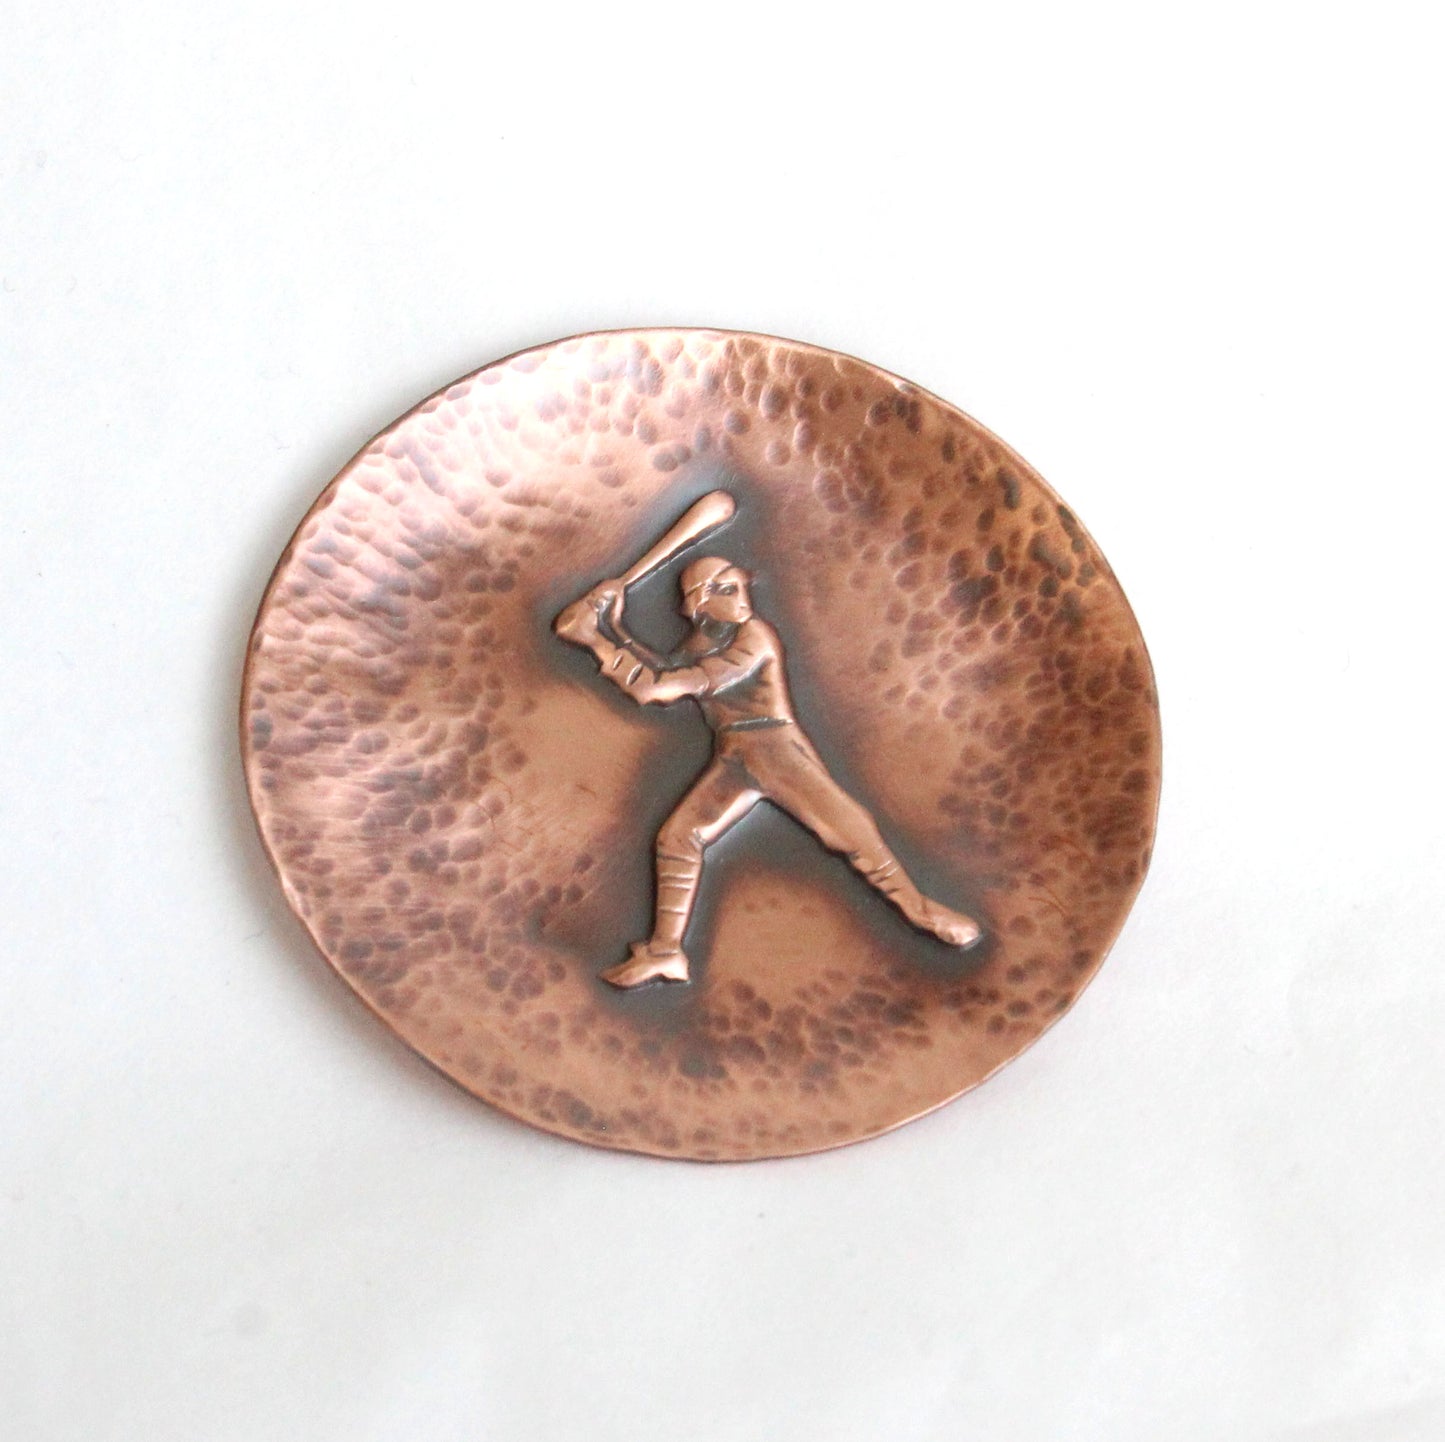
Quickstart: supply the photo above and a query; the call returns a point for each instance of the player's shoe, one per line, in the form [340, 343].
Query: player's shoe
[646, 964]
[952, 928]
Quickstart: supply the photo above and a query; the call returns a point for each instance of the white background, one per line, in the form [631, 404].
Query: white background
[1186, 259]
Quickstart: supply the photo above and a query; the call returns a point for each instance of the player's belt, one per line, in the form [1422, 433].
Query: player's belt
[755, 723]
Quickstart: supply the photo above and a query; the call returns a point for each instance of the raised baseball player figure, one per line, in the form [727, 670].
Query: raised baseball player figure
[732, 666]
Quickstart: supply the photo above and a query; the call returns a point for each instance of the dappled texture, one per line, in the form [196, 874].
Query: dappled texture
[462, 813]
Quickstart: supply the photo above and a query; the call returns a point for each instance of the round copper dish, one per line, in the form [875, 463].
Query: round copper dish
[463, 811]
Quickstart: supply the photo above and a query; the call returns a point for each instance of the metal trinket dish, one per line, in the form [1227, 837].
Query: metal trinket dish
[702, 744]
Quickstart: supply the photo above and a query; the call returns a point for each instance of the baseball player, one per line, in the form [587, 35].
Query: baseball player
[732, 666]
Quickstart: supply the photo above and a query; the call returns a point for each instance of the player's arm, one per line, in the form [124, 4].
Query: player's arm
[613, 630]
[641, 673]
[649, 685]
[707, 675]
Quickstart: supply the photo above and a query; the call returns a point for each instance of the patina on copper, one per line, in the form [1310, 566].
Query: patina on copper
[467, 819]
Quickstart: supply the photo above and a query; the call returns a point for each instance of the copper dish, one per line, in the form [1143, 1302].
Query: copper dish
[463, 812]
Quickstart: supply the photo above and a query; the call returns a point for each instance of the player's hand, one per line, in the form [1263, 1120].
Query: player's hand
[607, 600]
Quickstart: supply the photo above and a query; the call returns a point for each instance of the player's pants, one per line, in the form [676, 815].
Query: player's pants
[777, 763]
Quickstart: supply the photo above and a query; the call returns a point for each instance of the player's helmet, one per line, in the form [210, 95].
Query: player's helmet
[716, 590]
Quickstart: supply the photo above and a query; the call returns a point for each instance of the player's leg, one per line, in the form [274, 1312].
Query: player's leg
[796, 779]
[719, 798]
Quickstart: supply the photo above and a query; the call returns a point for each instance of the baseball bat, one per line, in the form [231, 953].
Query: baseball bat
[700, 519]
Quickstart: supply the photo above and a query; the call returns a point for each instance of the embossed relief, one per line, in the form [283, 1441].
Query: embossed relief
[733, 666]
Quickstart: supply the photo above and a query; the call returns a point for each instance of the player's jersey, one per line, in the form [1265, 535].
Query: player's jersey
[741, 683]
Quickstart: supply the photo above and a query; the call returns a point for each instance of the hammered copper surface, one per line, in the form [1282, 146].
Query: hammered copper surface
[463, 815]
